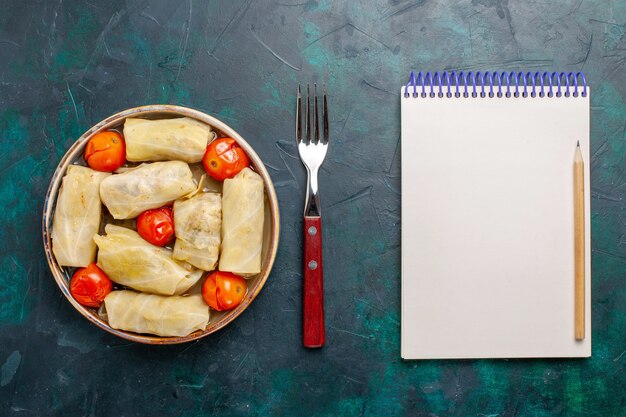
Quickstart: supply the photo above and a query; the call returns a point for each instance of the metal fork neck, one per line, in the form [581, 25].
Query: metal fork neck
[312, 207]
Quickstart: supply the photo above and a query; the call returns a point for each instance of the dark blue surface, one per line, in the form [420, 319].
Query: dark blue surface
[65, 65]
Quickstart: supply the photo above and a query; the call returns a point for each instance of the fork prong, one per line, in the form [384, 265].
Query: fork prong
[316, 124]
[299, 116]
[325, 117]
[308, 115]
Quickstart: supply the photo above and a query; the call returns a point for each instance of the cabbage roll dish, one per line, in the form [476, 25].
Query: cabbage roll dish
[242, 231]
[162, 224]
[128, 259]
[77, 216]
[155, 314]
[148, 186]
[198, 224]
[182, 139]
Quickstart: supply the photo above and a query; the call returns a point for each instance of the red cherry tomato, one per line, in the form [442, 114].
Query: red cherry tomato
[156, 226]
[223, 290]
[224, 159]
[89, 286]
[105, 151]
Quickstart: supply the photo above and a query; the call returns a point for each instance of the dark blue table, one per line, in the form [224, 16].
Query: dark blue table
[65, 65]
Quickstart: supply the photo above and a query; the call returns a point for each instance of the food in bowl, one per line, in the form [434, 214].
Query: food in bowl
[198, 229]
[157, 278]
[148, 186]
[77, 216]
[156, 314]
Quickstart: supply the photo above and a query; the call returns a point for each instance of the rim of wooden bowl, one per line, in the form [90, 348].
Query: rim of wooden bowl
[76, 151]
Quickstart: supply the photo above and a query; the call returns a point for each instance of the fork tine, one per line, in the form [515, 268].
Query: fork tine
[308, 116]
[316, 125]
[325, 117]
[299, 116]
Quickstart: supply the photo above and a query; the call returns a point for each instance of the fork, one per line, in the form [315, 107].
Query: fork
[312, 150]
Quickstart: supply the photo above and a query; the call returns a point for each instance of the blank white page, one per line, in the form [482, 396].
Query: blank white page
[488, 226]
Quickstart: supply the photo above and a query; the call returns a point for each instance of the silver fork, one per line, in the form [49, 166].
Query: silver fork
[312, 150]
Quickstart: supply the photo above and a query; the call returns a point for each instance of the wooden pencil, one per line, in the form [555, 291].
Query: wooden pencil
[579, 245]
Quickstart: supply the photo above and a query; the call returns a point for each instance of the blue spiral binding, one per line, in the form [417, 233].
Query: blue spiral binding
[527, 84]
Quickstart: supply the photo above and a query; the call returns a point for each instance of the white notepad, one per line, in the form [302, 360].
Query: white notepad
[488, 221]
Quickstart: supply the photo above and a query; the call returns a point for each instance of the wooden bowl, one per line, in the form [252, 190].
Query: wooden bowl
[62, 275]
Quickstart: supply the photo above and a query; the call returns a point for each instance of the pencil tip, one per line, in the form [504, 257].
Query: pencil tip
[578, 143]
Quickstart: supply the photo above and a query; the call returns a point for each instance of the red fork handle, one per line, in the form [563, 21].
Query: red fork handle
[313, 300]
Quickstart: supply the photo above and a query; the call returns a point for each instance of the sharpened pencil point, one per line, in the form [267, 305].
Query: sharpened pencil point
[578, 143]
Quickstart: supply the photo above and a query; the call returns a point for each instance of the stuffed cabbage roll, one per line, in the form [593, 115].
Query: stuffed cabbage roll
[156, 314]
[131, 261]
[77, 216]
[242, 223]
[197, 224]
[182, 139]
[146, 187]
